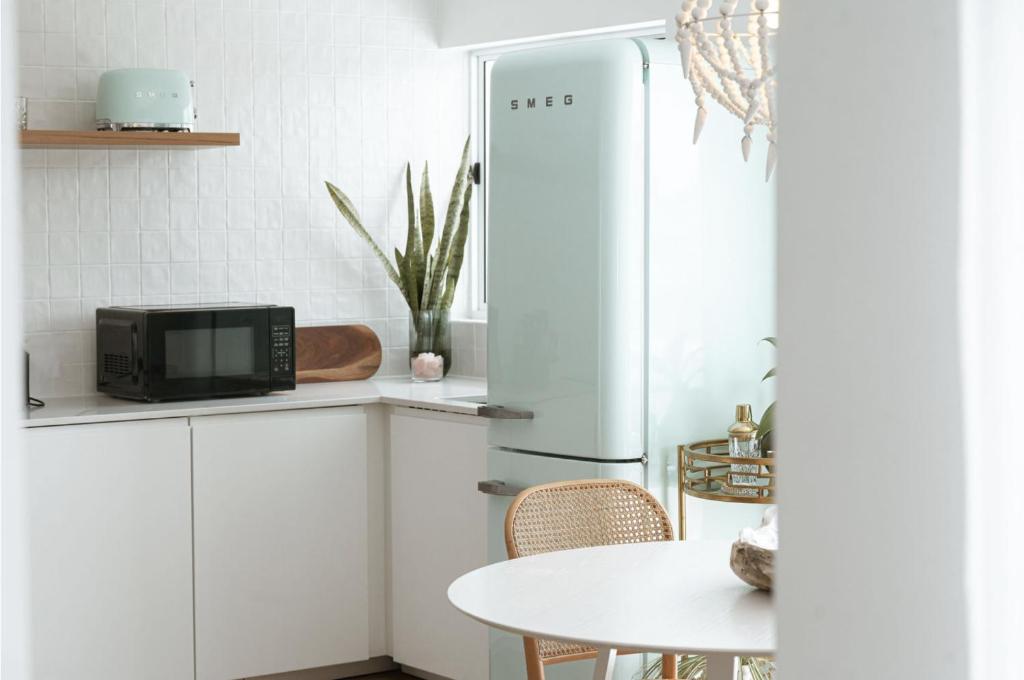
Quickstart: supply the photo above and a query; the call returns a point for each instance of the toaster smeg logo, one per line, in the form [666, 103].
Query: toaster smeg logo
[141, 94]
[549, 101]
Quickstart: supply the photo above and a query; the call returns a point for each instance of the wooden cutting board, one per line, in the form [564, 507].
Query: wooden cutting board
[335, 353]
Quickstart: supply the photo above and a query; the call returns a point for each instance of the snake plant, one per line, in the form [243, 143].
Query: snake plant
[427, 273]
[767, 423]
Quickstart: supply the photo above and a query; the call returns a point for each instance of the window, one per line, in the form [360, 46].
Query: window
[482, 63]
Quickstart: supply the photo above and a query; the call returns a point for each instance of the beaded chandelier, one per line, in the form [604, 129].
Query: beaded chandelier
[732, 67]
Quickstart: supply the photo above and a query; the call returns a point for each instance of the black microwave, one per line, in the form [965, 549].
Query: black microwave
[166, 352]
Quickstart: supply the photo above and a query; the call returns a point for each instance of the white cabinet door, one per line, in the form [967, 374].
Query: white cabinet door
[438, 533]
[280, 541]
[110, 551]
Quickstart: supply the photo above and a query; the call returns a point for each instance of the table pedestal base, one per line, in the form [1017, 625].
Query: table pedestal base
[720, 667]
[605, 668]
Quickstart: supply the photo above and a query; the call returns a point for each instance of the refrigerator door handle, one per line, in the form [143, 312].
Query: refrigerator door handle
[496, 487]
[503, 413]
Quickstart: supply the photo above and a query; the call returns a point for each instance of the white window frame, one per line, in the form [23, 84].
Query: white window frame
[478, 60]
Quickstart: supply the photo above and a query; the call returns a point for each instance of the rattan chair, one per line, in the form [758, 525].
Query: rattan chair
[581, 514]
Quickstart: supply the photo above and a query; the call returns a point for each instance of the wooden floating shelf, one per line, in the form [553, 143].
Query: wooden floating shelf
[69, 139]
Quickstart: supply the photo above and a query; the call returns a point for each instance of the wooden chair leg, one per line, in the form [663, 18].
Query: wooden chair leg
[669, 669]
[534, 666]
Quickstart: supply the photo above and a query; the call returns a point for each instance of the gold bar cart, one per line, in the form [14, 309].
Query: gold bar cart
[705, 471]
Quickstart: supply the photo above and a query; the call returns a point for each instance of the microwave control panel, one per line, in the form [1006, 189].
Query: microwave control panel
[281, 348]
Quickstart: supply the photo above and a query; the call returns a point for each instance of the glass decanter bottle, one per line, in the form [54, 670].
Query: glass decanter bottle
[743, 443]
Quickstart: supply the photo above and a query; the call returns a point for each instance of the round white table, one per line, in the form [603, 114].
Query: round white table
[668, 597]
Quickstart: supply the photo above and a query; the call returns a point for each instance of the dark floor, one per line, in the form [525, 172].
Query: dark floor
[390, 675]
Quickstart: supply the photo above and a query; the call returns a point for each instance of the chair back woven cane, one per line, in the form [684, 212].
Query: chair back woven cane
[580, 514]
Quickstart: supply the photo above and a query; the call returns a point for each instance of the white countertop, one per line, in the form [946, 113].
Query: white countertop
[439, 396]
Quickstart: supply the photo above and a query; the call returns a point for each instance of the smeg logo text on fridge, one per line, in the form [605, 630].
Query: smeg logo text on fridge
[549, 101]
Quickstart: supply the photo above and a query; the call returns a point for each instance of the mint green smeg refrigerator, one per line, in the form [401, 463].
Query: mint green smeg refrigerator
[630, 279]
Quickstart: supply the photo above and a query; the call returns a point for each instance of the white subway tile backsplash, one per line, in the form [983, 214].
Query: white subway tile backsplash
[94, 214]
[211, 181]
[124, 215]
[64, 282]
[93, 158]
[60, 83]
[120, 51]
[213, 246]
[94, 247]
[348, 306]
[95, 281]
[89, 17]
[93, 182]
[184, 246]
[296, 275]
[337, 90]
[469, 348]
[59, 15]
[241, 214]
[90, 52]
[37, 318]
[124, 182]
[212, 214]
[269, 275]
[155, 246]
[155, 279]
[66, 315]
[61, 183]
[154, 214]
[124, 248]
[241, 246]
[182, 182]
[213, 277]
[34, 248]
[124, 158]
[153, 181]
[184, 277]
[36, 283]
[62, 213]
[124, 280]
[64, 248]
[120, 18]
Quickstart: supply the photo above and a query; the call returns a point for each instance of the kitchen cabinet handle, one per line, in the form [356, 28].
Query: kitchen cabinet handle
[503, 413]
[496, 487]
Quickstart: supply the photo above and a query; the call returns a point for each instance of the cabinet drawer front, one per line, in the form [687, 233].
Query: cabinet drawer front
[109, 546]
[280, 541]
[438, 533]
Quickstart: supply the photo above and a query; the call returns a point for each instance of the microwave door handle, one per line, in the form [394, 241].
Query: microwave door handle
[135, 353]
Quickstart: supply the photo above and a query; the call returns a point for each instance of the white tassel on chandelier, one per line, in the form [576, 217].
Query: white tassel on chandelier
[732, 68]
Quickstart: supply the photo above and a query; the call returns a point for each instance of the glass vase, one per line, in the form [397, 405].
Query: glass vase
[430, 345]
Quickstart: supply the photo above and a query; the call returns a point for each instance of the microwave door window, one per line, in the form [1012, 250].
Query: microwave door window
[209, 353]
[234, 353]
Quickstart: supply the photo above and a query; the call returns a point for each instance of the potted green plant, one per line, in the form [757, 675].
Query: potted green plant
[692, 667]
[427, 272]
[766, 425]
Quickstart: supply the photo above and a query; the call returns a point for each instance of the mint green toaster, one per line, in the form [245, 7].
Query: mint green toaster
[145, 99]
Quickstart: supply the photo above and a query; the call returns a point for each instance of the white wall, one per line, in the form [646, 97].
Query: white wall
[319, 89]
[13, 568]
[872, 490]
[992, 327]
[473, 22]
